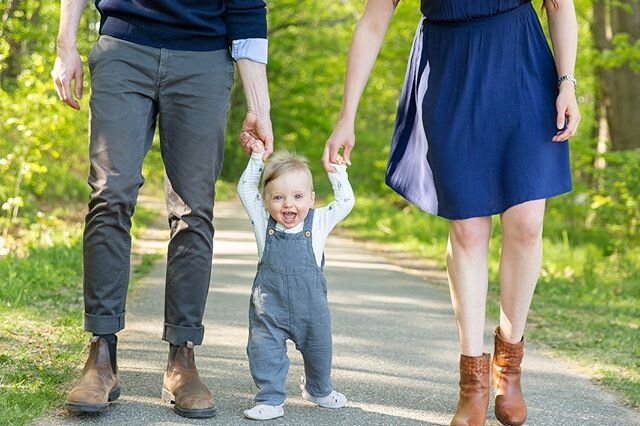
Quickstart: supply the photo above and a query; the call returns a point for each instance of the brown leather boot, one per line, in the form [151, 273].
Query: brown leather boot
[473, 401]
[99, 384]
[505, 374]
[183, 387]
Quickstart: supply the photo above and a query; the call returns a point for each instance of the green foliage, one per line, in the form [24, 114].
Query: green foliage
[42, 142]
[615, 208]
[624, 52]
[393, 220]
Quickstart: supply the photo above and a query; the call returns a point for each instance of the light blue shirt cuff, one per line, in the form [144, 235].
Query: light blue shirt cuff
[254, 49]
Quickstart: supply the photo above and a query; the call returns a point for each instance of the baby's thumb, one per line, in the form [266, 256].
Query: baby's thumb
[347, 154]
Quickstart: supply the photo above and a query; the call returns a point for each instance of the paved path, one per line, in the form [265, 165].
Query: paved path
[395, 351]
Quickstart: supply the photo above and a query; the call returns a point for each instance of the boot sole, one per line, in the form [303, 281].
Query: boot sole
[505, 423]
[81, 407]
[190, 413]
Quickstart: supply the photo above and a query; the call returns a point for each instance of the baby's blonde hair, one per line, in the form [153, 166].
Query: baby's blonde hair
[282, 162]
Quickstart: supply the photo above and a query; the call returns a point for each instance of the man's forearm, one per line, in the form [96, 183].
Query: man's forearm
[256, 90]
[70, 12]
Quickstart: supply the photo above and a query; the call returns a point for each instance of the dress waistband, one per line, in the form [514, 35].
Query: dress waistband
[486, 19]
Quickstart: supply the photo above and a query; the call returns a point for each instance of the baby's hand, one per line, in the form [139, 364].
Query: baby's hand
[256, 145]
[340, 160]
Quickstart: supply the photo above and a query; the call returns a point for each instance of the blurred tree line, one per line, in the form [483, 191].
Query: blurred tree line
[43, 160]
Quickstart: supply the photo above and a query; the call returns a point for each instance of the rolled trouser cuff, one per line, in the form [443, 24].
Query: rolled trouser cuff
[103, 324]
[177, 335]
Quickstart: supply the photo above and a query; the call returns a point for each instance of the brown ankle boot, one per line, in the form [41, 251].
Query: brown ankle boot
[99, 384]
[183, 387]
[473, 401]
[505, 374]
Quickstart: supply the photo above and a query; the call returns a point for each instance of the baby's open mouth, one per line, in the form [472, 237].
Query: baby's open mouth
[289, 216]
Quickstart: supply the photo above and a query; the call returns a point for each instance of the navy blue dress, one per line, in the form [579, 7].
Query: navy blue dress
[477, 112]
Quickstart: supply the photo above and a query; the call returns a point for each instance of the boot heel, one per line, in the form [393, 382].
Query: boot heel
[114, 394]
[510, 407]
[168, 396]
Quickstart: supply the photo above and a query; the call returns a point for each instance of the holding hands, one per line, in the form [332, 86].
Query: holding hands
[343, 136]
[251, 145]
[256, 129]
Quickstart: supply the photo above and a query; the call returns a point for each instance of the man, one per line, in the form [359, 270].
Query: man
[168, 61]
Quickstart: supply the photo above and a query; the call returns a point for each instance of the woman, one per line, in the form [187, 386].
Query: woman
[482, 125]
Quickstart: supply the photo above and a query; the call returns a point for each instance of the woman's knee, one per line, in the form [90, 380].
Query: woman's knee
[523, 227]
[470, 234]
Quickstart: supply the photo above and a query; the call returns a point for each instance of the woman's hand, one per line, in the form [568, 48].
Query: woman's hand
[568, 112]
[343, 136]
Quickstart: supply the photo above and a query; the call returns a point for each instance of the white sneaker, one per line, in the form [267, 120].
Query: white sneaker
[264, 412]
[333, 400]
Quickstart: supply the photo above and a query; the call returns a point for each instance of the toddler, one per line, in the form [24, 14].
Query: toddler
[289, 294]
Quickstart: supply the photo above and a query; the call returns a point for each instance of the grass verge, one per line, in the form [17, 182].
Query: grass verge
[41, 337]
[586, 304]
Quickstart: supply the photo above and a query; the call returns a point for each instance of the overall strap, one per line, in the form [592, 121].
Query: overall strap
[308, 223]
[271, 227]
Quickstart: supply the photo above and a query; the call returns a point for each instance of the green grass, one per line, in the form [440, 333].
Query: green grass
[41, 336]
[587, 302]
[225, 190]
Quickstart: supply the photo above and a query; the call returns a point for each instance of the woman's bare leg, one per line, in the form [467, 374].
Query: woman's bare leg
[468, 279]
[520, 263]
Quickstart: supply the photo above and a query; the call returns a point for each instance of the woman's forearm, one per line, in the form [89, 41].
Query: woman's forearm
[365, 45]
[563, 28]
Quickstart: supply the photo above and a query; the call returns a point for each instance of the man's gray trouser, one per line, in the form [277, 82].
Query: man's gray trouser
[132, 87]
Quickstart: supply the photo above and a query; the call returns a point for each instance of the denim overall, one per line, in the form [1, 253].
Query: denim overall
[289, 301]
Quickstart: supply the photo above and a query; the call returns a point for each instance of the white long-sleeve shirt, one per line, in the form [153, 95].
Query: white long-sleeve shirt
[324, 218]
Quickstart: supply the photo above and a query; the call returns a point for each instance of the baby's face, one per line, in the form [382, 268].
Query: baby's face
[289, 198]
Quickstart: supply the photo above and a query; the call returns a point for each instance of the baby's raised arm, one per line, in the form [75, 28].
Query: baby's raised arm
[249, 193]
[328, 217]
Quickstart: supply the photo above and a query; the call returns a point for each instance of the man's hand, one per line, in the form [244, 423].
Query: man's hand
[67, 70]
[254, 145]
[343, 136]
[258, 128]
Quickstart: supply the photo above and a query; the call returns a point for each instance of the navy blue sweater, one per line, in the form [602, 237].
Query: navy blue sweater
[183, 24]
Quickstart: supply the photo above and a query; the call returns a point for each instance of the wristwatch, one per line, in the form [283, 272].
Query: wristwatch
[567, 77]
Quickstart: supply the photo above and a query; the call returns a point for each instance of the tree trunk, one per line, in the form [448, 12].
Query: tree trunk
[619, 86]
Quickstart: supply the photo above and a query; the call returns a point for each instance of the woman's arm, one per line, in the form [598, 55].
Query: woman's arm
[365, 45]
[563, 28]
